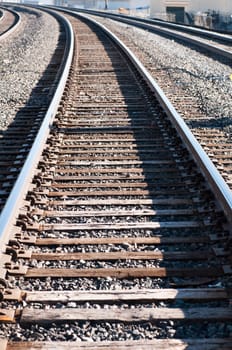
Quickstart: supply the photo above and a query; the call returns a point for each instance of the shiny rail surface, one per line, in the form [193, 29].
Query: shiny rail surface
[207, 128]
[10, 210]
[224, 37]
[198, 37]
[119, 243]
[213, 177]
[17, 139]
[9, 23]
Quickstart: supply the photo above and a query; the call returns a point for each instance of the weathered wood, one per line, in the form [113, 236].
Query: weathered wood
[116, 192]
[105, 150]
[155, 344]
[126, 272]
[121, 163]
[100, 213]
[120, 226]
[108, 158]
[139, 295]
[126, 175]
[109, 139]
[3, 344]
[137, 201]
[122, 240]
[124, 255]
[45, 316]
[12, 294]
[7, 316]
[117, 185]
[124, 170]
[113, 142]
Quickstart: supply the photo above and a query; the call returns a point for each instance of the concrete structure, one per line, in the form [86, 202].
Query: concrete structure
[160, 6]
[207, 13]
[110, 4]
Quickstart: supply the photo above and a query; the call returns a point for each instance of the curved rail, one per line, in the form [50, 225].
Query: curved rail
[150, 25]
[213, 177]
[184, 28]
[226, 37]
[13, 26]
[86, 148]
[209, 171]
[211, 174]
[9, 213]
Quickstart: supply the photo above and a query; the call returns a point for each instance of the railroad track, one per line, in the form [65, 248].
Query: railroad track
[118, 241]
[211, 128]
[17, 139]
[214, 42]
[9, 21]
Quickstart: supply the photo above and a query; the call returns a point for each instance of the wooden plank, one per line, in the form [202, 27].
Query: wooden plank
[100, 157]
[138, 201]
[116, 192]
[125, 272]
[7, 315]
[109, 139]
[121, 163]
[140, 295]
[3, 344]
[116, 185]
[100, 213]
[116, 149]
[115, 176]
[126, 255]
[108, 158]
[155, 344]
[121, 119]
[108, 148]
[46, 316]
[119, 226]
[130, 170]
[122, 240]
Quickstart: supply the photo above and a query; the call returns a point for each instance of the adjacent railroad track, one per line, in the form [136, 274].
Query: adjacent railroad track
[17, 139]
[9, 21]
[118, 234]
[216, 43]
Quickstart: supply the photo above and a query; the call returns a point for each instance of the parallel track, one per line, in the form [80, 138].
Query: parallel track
[118, 233]
[16, 141]
[8, 23]
[213, 42]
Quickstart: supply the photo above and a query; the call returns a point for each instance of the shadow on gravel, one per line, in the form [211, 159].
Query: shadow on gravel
[173, 187]
[17, 139]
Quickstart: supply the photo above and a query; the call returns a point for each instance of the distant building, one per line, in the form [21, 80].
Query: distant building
[15, 1]
[109, 4]
[162, 6]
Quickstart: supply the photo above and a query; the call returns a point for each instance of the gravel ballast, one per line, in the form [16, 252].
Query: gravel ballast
[24, 56]
[198, 75]
[29, 75]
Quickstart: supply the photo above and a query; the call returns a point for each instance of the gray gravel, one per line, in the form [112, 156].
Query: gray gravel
[19, 72]
[24, 56]
[199, 76]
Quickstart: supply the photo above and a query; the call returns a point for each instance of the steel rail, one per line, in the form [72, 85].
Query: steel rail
[155, 29]
[219, 187]
[184, 28]
[212, 176]
[190, 29]
[10, 211]
[14, 26]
